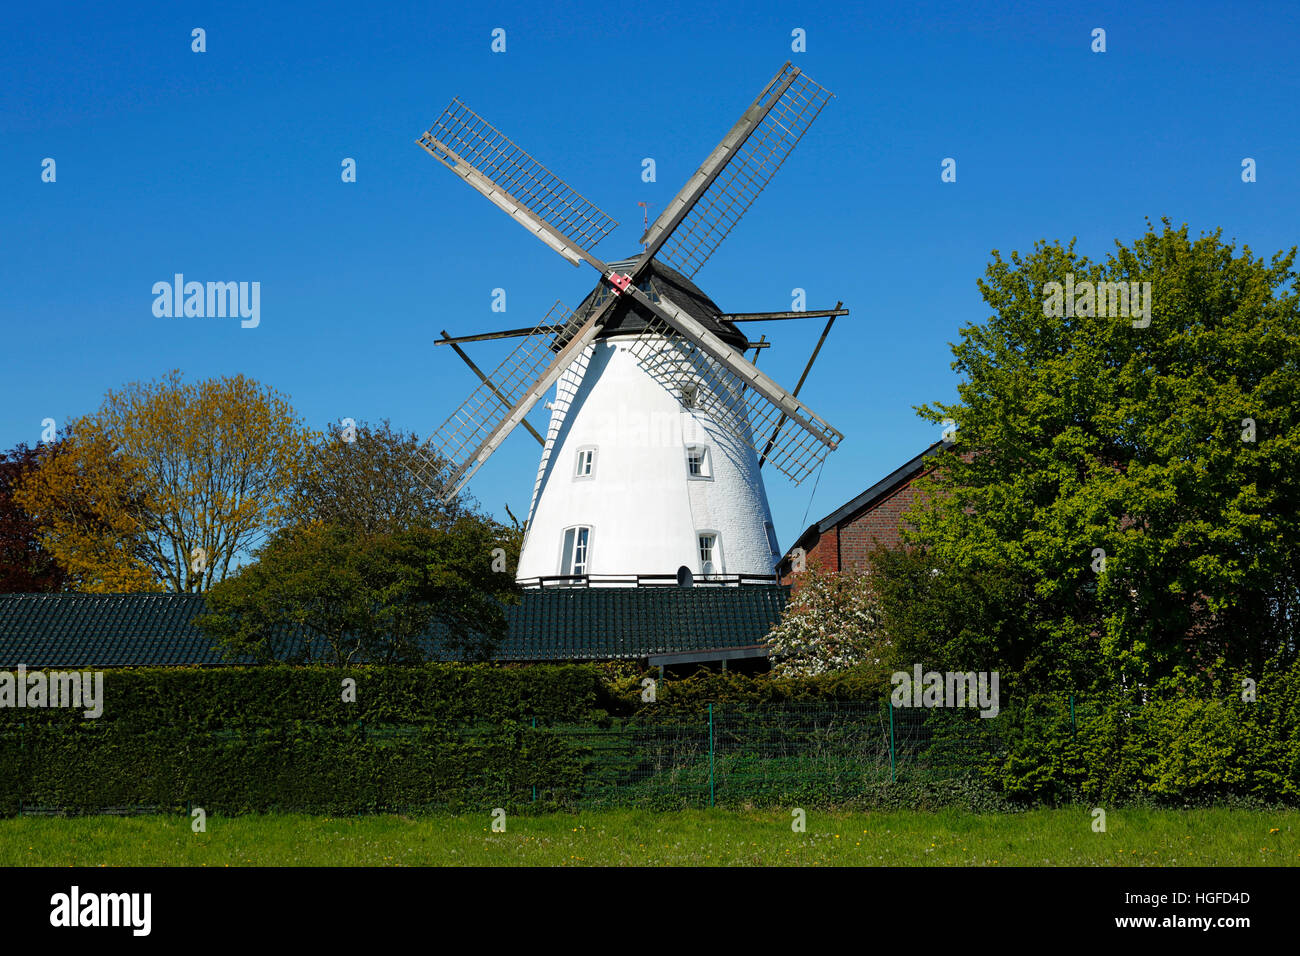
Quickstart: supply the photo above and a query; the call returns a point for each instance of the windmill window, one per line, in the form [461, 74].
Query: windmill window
[586, 463]
[697, 462]
[690, 395]
[710, 559]
[575, 550]
[771, 537]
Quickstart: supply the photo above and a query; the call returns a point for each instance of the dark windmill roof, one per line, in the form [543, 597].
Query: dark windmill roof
[550, 624]
[630, 316]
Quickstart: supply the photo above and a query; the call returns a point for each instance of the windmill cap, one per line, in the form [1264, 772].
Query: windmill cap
[630, 317]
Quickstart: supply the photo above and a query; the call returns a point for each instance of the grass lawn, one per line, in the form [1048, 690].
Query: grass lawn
[694, 837]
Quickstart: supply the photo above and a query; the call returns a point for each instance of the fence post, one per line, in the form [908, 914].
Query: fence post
[710, 755]
[893, 776]
[1074, 728]
[534, 785]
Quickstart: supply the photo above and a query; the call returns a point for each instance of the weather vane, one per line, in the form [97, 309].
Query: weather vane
[645, 217]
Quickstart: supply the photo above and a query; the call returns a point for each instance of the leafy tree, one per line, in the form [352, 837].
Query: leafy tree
[88, 503]
[831, 624]
[167, 484]
[25, 567]
[1135, 486]
[365, 595]
[948, 617]
[364, 477]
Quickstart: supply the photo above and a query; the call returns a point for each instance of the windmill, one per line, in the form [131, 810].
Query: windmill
[660, 424]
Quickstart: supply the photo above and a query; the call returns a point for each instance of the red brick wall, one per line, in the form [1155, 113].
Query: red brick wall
[825, 552]
[880, 524]
[846, 545]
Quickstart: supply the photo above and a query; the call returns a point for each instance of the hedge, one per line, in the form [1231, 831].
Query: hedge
[537, 737]
[202, 700]
[294, 768]
[1161, 746]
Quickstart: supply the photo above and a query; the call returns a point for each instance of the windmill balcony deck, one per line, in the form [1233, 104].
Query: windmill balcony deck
[644, 580]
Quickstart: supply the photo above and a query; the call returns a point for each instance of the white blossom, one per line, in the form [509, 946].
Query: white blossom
[830, 624]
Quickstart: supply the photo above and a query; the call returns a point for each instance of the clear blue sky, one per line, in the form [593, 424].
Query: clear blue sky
[225, 166]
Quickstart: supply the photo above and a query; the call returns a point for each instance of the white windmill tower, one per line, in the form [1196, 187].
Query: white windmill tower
[651, 465]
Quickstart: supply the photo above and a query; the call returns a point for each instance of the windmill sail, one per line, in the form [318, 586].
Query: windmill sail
[527, 191]
[694, 224]
[469, 436]
[691, 362]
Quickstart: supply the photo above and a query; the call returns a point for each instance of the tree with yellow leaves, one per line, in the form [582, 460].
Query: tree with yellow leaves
[168, 484]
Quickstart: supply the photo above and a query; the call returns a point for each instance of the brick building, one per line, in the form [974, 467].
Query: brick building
[841, 540]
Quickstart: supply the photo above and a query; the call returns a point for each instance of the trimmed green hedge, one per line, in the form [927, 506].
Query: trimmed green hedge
[537, 737]
[690, 696]
[244, 739]
[294, 768]
[199, 699]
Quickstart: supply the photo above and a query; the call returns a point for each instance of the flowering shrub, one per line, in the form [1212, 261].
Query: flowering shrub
[831, 624]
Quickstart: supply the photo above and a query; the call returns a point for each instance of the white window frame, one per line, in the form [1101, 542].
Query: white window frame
[770, 528]
[584, 451]
[573, 569]
[715, 550]
[706, 463]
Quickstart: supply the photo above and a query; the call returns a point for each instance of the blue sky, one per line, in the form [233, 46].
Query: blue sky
[225, 165]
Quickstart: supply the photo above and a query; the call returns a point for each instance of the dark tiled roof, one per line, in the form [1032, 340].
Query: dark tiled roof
[584, 623]
[102, 630]
[554, 624]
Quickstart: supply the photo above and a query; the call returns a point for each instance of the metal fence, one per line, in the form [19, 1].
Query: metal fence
[820, 754]
[831, 753]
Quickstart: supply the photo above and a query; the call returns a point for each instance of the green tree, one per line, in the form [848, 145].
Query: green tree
[948, 617]
[1136, 486]
[357, 595]
[367, 477]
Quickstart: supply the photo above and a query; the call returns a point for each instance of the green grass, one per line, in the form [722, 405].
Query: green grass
[693, 837]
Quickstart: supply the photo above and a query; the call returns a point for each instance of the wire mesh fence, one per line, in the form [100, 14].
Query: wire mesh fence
[820, 754]
[730, 755]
